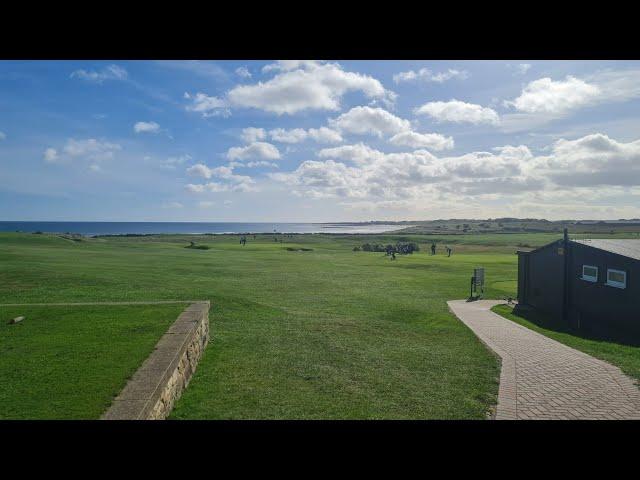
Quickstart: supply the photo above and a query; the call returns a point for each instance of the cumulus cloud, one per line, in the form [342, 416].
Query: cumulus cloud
[459, 112]
[359, 153]
[593, 160]
[110, 72]
[252, 134]
[206, 105]
[324, 135]
[545, 100]
[146, 127]
[295, 135]
[370, 121]
[305, 85]
[556, 97]
[359, 171]
[426, 75]
[230, 182]
[255, 150]
[243, 72]
[512, 175]
[433, 141]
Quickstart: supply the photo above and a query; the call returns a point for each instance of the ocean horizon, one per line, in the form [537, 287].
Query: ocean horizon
[220, 228]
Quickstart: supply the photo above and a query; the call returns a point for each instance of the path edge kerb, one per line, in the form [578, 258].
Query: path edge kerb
[154, 388]
[506, 409]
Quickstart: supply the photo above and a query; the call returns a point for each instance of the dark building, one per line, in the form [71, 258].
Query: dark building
[592, 285]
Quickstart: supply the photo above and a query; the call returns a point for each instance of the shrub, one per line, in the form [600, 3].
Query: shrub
[356, 248]
[401, 248]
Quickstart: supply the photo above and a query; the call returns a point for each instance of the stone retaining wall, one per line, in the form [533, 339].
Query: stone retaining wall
[153, 390]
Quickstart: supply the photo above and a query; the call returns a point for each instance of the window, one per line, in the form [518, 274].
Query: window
[589, 273]
[616, 278]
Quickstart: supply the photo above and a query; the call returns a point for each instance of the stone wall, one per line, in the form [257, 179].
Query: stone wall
[153, 390]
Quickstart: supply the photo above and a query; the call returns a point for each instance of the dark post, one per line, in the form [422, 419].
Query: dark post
[565, 299]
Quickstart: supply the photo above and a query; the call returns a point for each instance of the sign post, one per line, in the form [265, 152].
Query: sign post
[477, 281]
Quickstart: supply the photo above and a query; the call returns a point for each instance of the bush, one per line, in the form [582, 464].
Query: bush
[356, 248]
[401, 248]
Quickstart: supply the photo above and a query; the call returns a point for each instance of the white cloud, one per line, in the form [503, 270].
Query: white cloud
[243, 72]
[305, 85]
[50, 155]
[281, 135]
[359, 153]
[173, 162]
[391, 176]
[324, 135]
[256, 150]
[252, 134]
[199, 170]
[459, 112]
[433, 141]
[593, 160]
[545, 100]
[207, 106]
[90, 150]
[206, 204]
[260, 163]
[110, 72]
[368, 120]
[555, 97]
[426, 75]
[146, 127]
[3, 136]
[523, 68]
[298, 135]
[231, 182]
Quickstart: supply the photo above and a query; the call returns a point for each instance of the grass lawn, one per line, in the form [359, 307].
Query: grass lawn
[68, 362]
[626, 357]
[323, 333]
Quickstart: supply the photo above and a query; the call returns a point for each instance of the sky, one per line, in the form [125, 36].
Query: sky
[318, 141]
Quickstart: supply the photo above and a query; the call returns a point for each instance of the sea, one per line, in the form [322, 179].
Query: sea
[140, 228]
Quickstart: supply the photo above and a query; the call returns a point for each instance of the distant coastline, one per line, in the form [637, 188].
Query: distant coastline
[201, 228]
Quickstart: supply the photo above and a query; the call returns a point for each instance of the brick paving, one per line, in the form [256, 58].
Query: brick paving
[544, 379]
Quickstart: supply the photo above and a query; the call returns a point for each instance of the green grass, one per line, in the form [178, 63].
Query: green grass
[626, 357]
[68, 362]
[325, 333]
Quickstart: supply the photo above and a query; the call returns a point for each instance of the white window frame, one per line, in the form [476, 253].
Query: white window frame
[589, 278]
[613, 283]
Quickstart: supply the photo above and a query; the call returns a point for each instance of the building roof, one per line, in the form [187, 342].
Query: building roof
[627, 248]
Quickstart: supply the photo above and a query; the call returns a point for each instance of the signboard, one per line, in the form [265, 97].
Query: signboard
[560, 251]
[477, 281]
[478, 276]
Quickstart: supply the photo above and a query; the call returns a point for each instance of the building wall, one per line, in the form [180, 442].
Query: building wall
[544, 279]
[600, 308]
[593, 307]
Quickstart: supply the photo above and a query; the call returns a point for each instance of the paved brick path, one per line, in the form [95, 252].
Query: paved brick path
[544, 379]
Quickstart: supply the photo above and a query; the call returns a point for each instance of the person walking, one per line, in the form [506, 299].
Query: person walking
[433, 249]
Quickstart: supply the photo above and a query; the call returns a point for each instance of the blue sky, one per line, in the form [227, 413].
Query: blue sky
[318, 140]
